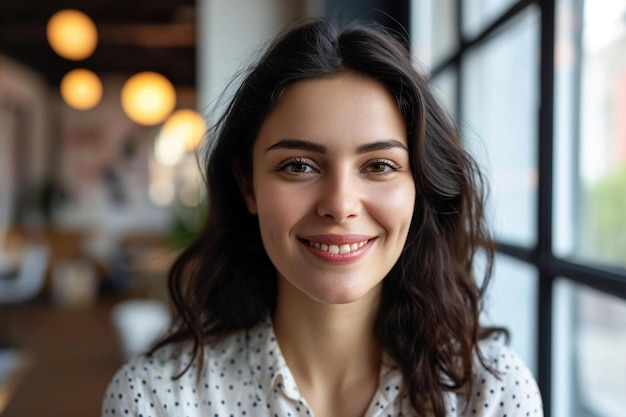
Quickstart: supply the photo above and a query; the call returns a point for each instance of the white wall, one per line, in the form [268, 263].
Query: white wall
[230, 32]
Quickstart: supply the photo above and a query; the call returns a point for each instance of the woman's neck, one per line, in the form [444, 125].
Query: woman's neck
[330, 349]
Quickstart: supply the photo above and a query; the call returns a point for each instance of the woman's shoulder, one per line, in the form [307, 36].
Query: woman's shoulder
[174, 358]
[167, 375]
[502, 382]
[166, 360]
[500, 361]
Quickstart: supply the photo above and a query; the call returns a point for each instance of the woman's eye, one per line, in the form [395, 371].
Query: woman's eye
[296, 167]
[299, 167]
[381, 167]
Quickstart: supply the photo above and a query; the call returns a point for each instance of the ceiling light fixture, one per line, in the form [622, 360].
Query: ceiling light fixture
[148, 98]
[72, 34]
[181, 132]
[81, 89]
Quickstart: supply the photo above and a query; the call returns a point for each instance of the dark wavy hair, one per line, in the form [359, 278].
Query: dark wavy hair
[429, 315]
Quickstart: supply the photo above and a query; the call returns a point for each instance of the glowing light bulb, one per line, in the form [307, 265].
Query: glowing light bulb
[81, 89]
[187, 126]
[72, 34]
[148, 98]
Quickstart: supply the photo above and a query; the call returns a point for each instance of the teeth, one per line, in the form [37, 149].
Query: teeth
[344, 249]
[338, 249]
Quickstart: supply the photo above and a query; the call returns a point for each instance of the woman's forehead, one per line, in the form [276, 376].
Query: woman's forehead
[342, 107]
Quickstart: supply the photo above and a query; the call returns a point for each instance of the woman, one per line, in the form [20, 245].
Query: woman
[333, 276]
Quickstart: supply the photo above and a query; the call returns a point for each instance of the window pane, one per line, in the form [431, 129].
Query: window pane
[499, 123]
[434, 30]
[444, 87]
[589, 360]
[511, 302]
[591, 103]
[565, 128]
[478, 14]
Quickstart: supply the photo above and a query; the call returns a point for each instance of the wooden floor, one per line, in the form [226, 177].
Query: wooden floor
[74, 355]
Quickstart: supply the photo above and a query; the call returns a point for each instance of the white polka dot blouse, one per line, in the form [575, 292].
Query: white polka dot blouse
[246, 375]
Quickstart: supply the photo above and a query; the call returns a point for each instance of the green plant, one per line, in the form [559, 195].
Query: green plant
[603, 233]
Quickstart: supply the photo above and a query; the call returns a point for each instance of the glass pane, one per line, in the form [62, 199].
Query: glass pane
[511, 302]
[500, 123]
[444, 87]
[478, 14]
[591, 130]
[589, 361]
[565, 150]
[434, 30]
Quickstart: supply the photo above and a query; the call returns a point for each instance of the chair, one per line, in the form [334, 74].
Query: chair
[29, 281]
[139, 323]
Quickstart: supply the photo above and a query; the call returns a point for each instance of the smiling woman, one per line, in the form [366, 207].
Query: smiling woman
[333, 276]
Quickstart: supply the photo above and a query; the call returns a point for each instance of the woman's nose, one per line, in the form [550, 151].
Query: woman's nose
[339, 198]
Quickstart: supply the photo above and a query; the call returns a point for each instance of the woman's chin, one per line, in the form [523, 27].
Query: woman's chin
[342, 295]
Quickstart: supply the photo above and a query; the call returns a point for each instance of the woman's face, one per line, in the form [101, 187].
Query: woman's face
[332, 187]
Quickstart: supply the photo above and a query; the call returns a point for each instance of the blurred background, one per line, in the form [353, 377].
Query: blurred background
[103, 105]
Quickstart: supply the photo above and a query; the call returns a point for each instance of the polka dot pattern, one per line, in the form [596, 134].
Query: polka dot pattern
[246, 375]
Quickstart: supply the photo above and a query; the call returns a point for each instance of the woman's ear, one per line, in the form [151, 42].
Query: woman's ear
[245, 186]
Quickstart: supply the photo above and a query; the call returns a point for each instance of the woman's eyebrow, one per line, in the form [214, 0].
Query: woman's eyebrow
[381, 146]
[302, 145]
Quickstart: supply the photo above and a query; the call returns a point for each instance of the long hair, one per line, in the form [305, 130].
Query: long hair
[429, 316]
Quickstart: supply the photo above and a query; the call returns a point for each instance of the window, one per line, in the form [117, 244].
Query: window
[590, 341]
[589, 222]
[591, 102]
[478, 14]
[511, 302]
[499, 131]
[538, 89]
[445, 89]
[435, 35]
